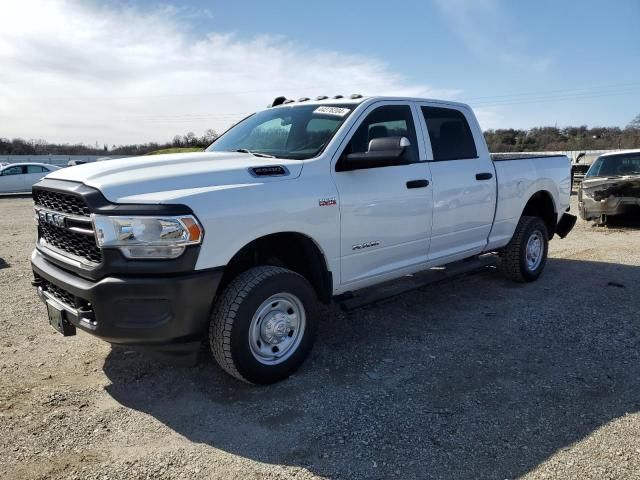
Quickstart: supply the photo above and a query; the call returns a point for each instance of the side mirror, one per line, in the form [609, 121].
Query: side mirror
[382, 152]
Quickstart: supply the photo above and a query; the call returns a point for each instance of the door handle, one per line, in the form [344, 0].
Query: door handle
[484, 176]
[418, 183]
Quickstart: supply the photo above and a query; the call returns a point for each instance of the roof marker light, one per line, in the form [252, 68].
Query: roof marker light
[278, 101]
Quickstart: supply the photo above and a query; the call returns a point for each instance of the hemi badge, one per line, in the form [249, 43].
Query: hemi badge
[327, 202]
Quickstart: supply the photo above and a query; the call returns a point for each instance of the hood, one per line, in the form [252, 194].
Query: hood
[164, 178]
[604, 187]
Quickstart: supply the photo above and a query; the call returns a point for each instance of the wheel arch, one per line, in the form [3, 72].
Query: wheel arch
[541, 204]
[293, 250]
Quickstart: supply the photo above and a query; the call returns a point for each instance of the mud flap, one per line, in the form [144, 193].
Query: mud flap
[565, 225]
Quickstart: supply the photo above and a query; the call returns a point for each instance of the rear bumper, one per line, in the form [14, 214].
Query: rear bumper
[164, 313]
[565, 225]
[591, 209]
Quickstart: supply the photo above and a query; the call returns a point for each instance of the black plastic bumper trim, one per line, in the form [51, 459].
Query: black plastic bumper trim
[565, 225]
[137, 311]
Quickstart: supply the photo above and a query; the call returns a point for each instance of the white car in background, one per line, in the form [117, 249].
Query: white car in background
[20, 177]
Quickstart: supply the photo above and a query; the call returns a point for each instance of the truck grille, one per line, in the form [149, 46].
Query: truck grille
[61, 202]
[77, 244]
[74, 234]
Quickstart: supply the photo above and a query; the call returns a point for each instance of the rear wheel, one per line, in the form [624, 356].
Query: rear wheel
[264, 324]
[525, 257]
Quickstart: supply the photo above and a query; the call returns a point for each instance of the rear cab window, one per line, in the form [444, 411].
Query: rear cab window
[450, 134]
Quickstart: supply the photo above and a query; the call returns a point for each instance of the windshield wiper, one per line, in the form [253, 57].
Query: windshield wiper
[256, 154]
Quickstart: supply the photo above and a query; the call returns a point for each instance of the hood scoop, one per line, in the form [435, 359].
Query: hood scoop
[269, 171]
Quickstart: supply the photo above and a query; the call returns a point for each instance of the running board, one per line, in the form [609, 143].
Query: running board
[371, 295]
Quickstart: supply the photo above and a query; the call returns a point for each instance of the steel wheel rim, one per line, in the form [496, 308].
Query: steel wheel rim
[534, 250]
[277, 328]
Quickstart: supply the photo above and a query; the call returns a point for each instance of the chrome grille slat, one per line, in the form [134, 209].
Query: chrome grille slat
[83, 231]
[81, 219]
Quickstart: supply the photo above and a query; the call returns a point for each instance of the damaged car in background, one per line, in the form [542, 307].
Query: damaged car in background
[611, 186]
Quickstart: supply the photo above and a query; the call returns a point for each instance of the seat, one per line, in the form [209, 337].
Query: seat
[626, 169]
[377, 131]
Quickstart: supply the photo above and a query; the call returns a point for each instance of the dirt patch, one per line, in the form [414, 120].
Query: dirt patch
[476, 378]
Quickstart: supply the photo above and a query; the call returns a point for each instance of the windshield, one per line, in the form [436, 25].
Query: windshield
[297, 132]
[615, 166]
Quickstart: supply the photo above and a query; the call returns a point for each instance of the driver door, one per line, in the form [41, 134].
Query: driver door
[385, 212]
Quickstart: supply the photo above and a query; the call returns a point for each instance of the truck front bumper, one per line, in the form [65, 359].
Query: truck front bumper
[166, 314]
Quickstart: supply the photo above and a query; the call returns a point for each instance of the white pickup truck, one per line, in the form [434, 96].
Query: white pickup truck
[235, 246]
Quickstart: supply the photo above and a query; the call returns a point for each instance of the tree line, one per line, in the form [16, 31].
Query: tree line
[19, 146]
[554, 139]
[499, 140]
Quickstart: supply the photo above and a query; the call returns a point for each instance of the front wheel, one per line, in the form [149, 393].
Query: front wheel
[264, 324]
[524, 258]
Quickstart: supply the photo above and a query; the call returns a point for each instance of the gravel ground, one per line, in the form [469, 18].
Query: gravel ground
[475, 378]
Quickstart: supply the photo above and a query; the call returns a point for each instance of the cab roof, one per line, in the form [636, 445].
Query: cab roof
[620, 152]
[357, 99]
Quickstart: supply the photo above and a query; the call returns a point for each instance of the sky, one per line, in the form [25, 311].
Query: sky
[118, 72]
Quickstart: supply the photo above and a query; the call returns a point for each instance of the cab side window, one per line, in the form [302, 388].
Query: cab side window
[36, 169]
[451, 137]
[385, 121]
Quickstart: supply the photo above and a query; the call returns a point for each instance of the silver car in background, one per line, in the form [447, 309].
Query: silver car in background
[20, 177]
[611, 186]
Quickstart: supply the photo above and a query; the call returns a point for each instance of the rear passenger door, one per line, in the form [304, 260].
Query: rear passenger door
[464, 182]
[33, 174]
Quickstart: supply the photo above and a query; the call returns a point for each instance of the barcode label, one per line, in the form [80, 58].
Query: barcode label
[337, 111]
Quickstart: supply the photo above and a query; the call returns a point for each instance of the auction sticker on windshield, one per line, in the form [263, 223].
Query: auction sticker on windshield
[338, 111]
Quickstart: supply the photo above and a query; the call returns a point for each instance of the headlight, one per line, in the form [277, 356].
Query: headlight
[147, 237]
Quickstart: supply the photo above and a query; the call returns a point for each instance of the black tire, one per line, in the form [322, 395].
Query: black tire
[514, 263]
[232, 315]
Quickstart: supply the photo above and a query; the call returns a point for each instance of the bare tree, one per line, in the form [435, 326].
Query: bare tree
[635, 123]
